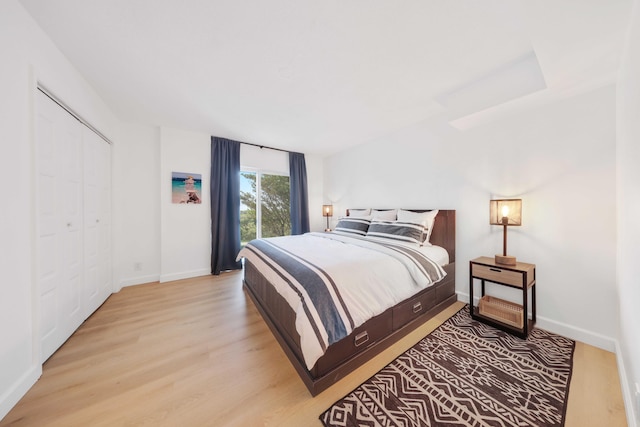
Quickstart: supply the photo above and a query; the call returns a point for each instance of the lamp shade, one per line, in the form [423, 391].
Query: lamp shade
[327, 210]
[505, 212]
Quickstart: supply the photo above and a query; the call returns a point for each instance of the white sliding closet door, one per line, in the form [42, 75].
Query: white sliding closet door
[105, 283]
[59, 217]
[97, 219]
[72, 222]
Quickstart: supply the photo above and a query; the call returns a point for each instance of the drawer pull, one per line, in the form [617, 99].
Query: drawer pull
[361, 338]
[417, 307]
[495, 269]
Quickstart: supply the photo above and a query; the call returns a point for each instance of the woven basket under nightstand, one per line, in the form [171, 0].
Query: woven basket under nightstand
[501, 310]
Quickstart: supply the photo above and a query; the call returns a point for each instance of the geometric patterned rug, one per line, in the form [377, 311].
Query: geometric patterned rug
[466, 373]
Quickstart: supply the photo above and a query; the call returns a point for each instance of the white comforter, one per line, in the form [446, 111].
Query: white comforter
[364, 278]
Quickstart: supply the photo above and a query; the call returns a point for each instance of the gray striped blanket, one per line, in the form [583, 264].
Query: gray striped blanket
[337, 282]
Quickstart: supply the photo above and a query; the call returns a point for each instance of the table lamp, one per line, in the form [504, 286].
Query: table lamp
[505, 212]
[327, 210]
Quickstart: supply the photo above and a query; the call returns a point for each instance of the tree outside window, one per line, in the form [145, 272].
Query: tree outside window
[265, 206]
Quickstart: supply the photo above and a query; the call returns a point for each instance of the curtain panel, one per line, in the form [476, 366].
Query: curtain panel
[298, 194]
[225, 204]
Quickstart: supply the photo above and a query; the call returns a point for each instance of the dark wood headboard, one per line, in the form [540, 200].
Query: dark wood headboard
[444, 230]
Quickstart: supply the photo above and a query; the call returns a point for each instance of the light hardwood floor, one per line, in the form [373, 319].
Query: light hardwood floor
[196, 352]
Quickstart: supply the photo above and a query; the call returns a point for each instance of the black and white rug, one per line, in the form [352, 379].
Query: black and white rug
[466, 373]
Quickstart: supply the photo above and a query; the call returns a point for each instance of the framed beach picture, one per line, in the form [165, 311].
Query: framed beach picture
[186, 187]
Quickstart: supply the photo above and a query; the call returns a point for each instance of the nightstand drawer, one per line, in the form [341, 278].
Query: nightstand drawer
[496, 274]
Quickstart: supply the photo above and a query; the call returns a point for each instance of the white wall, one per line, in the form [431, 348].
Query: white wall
[560, 159]
[185, 229]
[27, 55]
[264, 159]
[136, 205]
[628, 148]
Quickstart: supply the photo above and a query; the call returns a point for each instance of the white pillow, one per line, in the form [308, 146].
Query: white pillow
[425, 218]
[384, 215]
[360, 212]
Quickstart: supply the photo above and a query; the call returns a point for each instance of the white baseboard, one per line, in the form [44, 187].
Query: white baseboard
[566, 330]
[628, 391]
[184, 275]
[162, 278]
[10, 398]
[578, 334]
[138, 281]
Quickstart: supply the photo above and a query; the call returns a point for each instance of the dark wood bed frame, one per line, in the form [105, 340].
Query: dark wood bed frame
[369, 339]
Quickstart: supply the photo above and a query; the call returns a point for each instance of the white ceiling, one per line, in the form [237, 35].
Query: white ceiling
[320, 76]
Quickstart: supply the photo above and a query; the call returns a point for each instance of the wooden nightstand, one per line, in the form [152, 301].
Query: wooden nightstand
[520, 276]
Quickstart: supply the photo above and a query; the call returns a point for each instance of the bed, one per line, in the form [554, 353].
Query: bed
[341, 355]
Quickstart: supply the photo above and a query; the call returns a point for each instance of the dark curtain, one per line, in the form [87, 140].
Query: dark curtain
[298, 194]
[225, 204]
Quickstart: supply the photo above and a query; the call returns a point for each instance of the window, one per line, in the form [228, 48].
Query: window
[264, 205]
